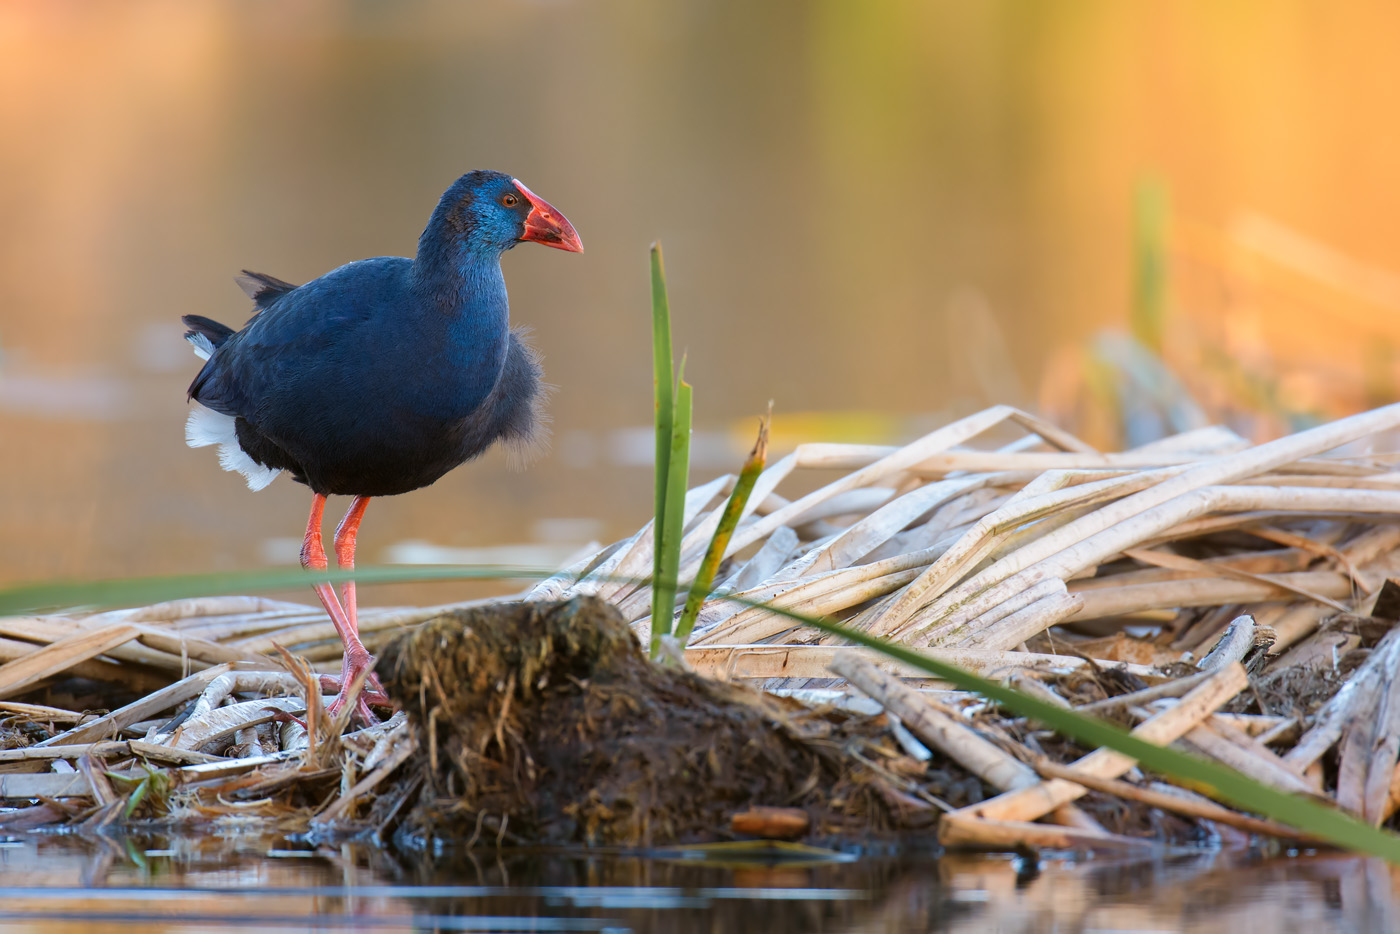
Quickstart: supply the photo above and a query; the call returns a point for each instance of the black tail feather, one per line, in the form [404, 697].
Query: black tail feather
[262, 288]
[206, 327]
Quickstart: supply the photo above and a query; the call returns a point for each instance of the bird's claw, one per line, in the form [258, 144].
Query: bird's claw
[362, 715]
[372, 693]
[357, 664]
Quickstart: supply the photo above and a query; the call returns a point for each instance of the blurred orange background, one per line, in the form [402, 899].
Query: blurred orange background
[880, 216]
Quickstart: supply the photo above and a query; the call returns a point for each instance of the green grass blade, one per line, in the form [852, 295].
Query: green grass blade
[662, 362]
[733, 509]
[668, 547]
[141, 591]
[137, 796]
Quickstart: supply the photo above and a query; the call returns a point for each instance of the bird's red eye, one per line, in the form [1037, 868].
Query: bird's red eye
[510, 201]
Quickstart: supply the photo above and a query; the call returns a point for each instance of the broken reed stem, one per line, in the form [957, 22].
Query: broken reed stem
[1174, 688]
[733, 508]
[813, 661]
[1040, 799]
[1188, 806]
[958, 830]
[935, 726]
[945, 732]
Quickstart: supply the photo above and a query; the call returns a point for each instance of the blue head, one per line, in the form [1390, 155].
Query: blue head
[487, 213]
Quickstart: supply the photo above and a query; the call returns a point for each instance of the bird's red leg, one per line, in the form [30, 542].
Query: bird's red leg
[345, 553]
[355, 662]
[313, 558]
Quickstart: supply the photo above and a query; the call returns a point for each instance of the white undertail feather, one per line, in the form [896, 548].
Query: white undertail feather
[206, 427]
[202, 345]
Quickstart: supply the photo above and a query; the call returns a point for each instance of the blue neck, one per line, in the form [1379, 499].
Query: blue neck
[462, 291]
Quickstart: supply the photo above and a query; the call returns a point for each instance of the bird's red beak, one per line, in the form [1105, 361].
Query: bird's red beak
[546, 225]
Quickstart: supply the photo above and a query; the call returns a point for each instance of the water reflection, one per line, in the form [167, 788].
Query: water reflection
[213, 883]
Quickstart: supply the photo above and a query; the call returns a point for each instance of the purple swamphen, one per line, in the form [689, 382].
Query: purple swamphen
[380, 376]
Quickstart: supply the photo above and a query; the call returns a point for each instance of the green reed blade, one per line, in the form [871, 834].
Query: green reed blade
[662, 364]
[733, 509]
[668, 546]
[142, 591]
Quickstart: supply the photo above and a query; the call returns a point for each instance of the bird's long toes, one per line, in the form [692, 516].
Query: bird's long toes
[363, 714]
[372, 693]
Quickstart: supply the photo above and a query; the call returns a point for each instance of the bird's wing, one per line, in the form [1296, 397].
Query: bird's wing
[259, 356]
[294, 330]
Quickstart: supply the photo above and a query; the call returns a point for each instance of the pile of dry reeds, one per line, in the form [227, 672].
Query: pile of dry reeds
[1203, 590]
[1141, 561]
[223, 727]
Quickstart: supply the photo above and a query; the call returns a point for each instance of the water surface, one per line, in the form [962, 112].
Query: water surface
[232, 882]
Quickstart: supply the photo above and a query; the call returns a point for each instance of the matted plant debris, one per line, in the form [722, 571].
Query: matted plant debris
[1200, 590]
[545, 723]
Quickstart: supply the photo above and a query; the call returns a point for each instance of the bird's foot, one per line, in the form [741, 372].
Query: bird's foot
[372, 693]
[357, 664]
[362, 714]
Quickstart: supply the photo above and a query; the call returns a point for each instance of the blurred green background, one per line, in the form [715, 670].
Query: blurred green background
[878, 215]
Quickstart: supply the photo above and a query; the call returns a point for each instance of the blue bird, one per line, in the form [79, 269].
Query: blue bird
[378, 377]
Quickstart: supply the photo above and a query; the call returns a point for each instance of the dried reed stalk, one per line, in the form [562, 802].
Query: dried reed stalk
[1036, 801]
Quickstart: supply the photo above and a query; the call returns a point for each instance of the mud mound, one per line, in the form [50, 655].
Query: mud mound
[544, 723]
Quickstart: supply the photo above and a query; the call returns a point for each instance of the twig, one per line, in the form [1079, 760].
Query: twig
[1040, 799]
[1191, 807]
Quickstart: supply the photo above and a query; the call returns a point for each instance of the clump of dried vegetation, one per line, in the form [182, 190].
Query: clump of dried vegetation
[1224, 597]
[545, 723]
